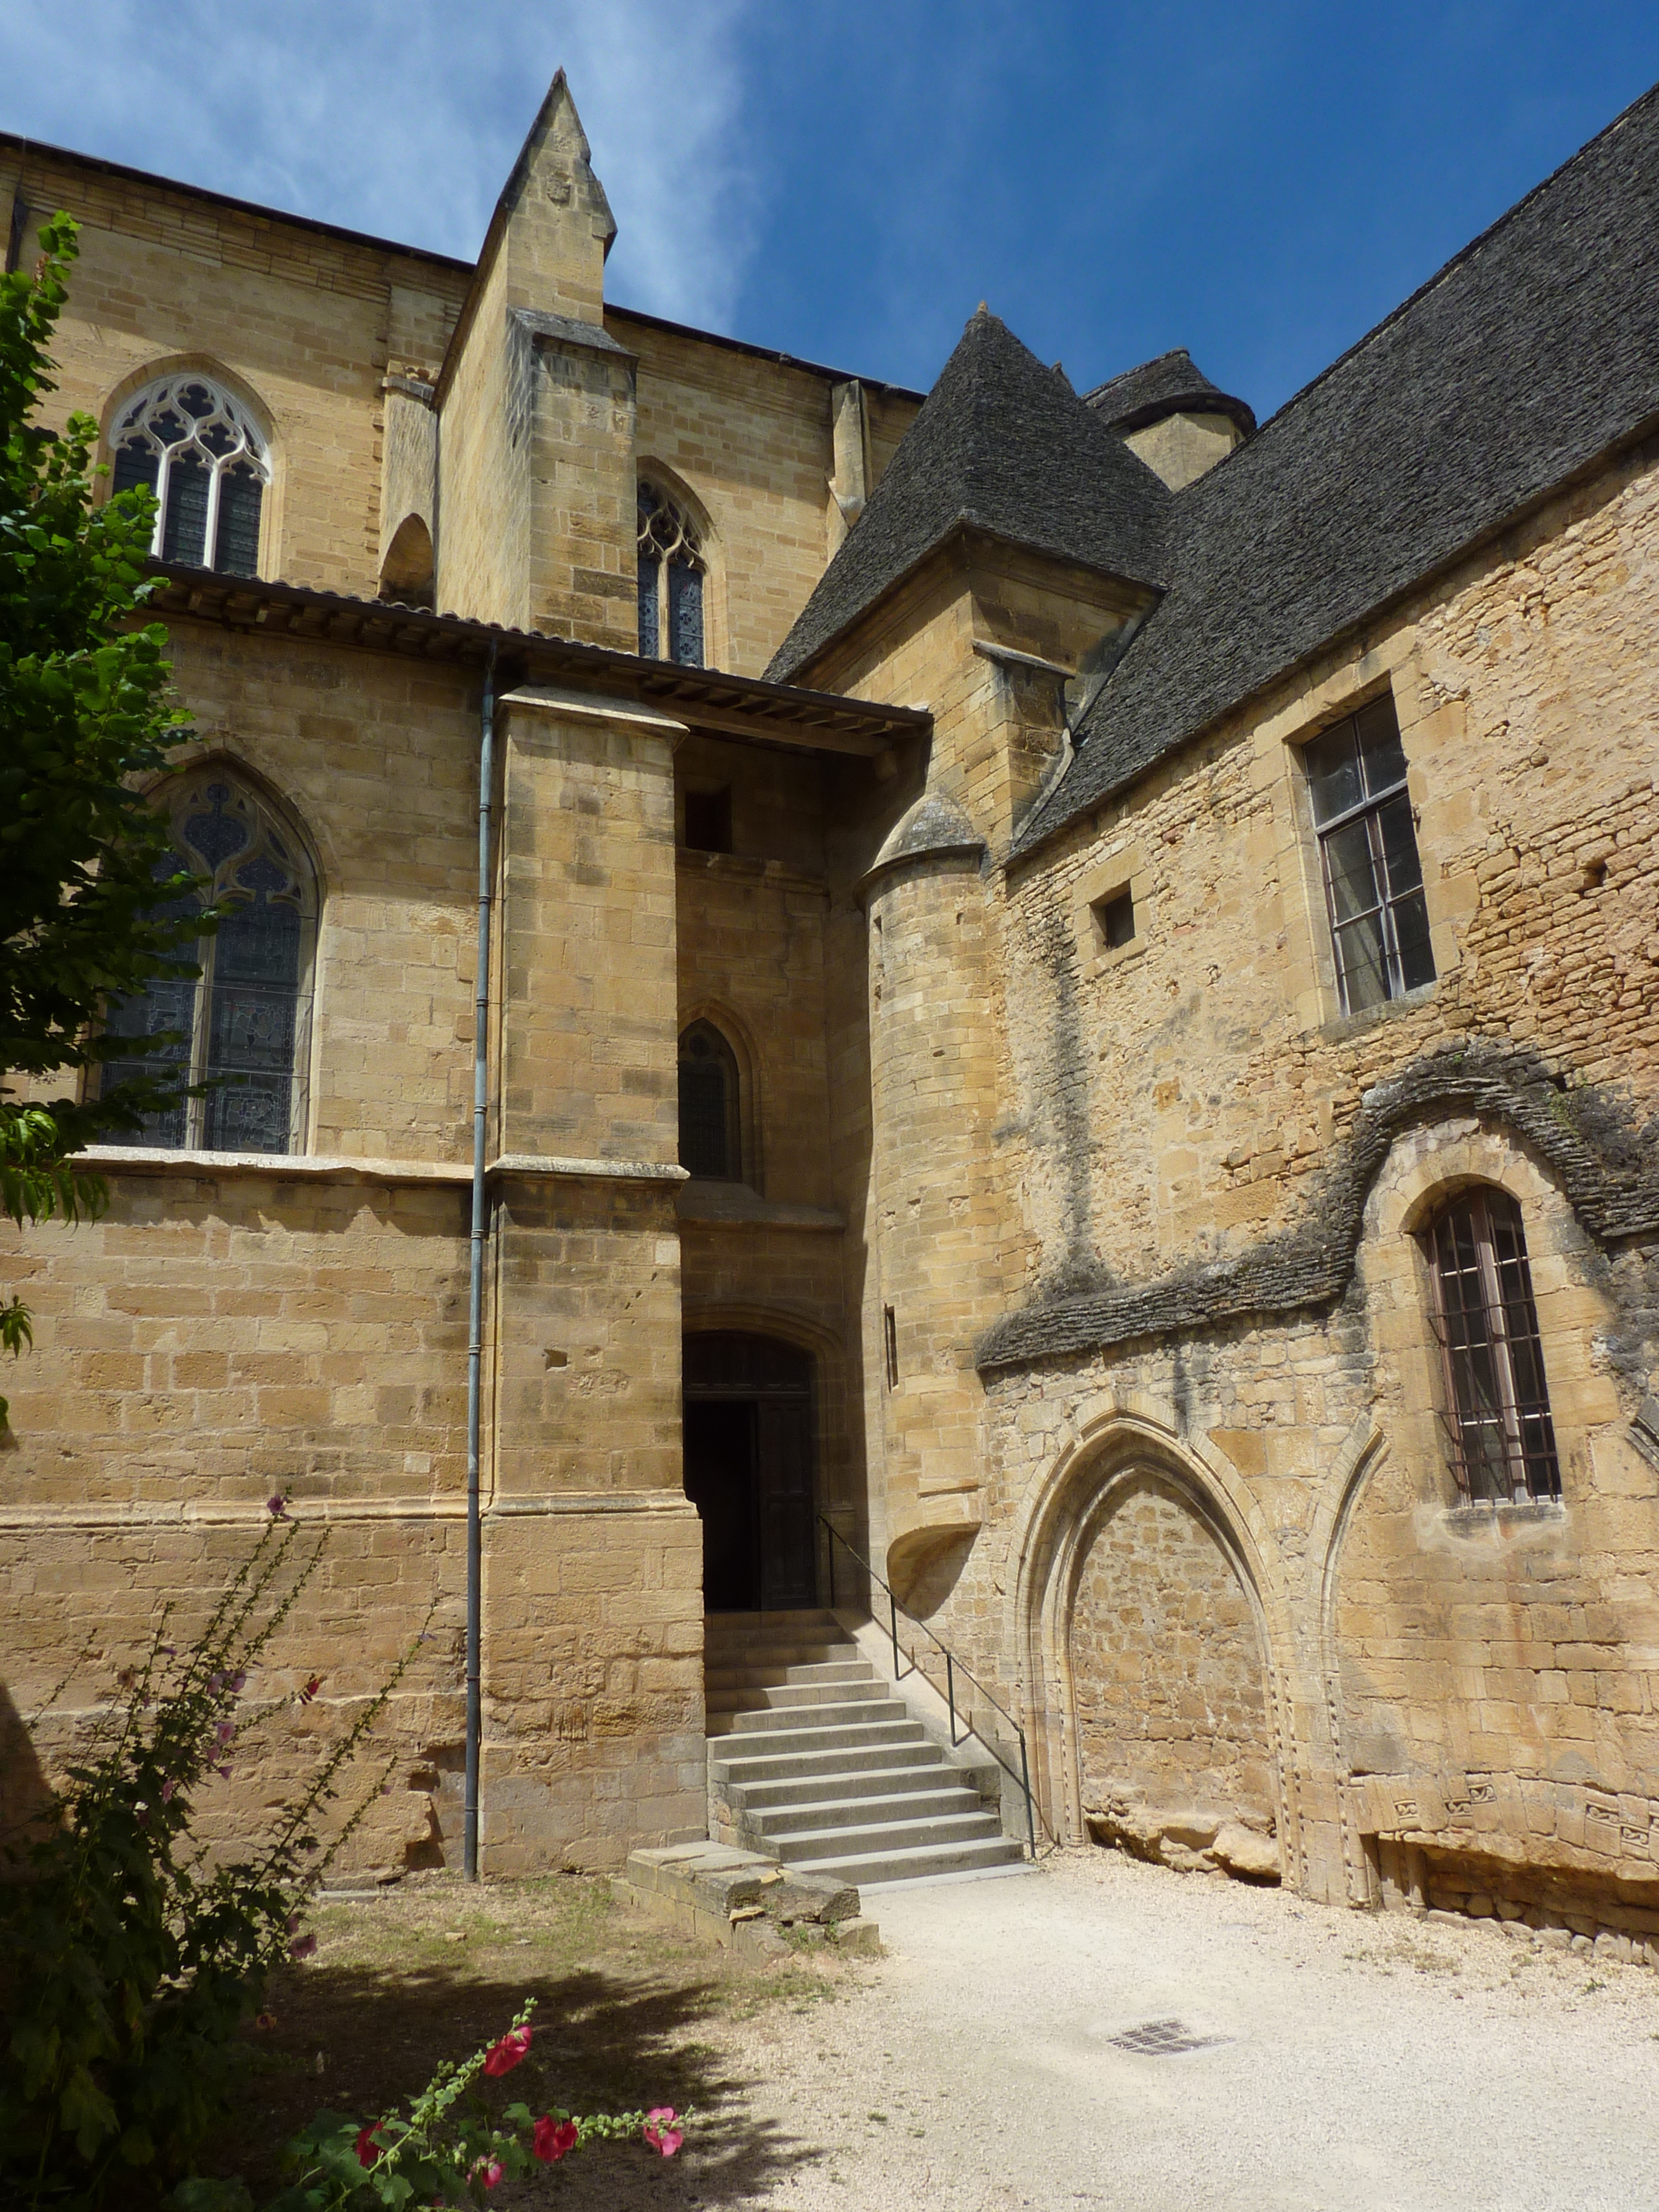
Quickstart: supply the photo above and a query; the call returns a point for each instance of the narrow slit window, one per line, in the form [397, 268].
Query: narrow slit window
[1500, 1438]
[1361, 811]
[243, 1024]
[200, 454]
[889, 1344]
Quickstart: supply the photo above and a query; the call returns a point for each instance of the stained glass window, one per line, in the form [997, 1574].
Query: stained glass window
[242, 1026]
[672, 570]
[1496, 1415]
[200, 454]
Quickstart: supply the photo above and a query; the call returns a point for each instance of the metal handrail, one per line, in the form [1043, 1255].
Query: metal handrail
[953, 1666]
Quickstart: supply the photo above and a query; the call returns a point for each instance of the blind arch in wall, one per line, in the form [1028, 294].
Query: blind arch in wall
[710, 1105]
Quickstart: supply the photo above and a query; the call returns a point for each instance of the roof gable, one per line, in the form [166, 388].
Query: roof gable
[1002, 444]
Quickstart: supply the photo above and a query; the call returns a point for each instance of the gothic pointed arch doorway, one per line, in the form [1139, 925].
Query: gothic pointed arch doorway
[748, 1469]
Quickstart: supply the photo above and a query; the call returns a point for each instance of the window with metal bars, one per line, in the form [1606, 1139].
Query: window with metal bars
[243, 1023]
[709, 1141]
[1368, 854]
[670, 582]
[200, 454]
[1496, 1414]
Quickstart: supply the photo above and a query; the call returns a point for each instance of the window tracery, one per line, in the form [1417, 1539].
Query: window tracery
[200, 454]
[246, 1018]
[670, 569]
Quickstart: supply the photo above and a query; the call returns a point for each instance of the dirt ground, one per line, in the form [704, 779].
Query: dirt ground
[1324, 2060]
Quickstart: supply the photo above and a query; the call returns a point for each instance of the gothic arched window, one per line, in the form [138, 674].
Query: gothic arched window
[200, 454]
[1499, 1435]
[671, 582]
[709, 1141]
[247, 1018]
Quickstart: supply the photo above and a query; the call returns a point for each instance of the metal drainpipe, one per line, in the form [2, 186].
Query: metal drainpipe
[475, 1309]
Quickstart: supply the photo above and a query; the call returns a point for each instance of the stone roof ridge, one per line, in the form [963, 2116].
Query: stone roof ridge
[1167, 384]
[1530, 358]
[1005, 445]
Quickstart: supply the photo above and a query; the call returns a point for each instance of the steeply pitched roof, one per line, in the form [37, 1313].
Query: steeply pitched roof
[1529, 355]
[1001, 444]
[1162, 387]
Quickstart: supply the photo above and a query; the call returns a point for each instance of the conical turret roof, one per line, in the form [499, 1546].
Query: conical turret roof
[1003, 445]
[1166, 385]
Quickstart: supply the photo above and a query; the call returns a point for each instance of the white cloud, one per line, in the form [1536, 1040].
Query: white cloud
[403, 119]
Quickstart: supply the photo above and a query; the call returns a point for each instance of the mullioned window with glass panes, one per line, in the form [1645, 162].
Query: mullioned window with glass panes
[1373, 878]
[1499, 1435]
[201, 455]
[241, 1027]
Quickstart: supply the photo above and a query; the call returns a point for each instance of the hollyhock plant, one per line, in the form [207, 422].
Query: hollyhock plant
[448, 2147]
[504, 2055]
[660, 2132]
[553, 2138]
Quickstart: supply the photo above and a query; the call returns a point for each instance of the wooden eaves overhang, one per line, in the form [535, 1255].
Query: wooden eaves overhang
[704, 699]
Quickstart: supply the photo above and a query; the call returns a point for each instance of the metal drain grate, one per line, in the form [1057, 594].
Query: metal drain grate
[1163, 2039]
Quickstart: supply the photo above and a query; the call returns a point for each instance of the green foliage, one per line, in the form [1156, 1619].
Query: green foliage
[449, 2149]
[128, 1960]
[85, 714]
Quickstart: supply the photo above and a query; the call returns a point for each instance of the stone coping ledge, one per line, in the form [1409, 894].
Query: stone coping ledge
[225, 1513]
[748, 1902]
[340, 1167]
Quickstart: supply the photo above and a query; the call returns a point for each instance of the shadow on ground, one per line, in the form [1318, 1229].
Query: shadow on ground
[357, 2040]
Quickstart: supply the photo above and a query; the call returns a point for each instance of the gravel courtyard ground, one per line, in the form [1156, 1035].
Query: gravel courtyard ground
[1345, 2063]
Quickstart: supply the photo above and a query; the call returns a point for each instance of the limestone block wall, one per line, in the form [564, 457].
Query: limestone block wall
[300, 323]
[750, 438]
[1182, 1102]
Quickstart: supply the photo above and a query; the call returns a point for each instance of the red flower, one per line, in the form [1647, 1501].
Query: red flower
[311, 1689]
[367, 2149]
[660, 2132]
[505, 2054]
[489, 2171]
[553, 2138]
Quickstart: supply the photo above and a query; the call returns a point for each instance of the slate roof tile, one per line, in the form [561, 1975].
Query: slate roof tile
[1002, 444]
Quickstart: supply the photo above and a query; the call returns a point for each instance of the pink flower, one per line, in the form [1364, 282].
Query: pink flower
[504, 2055]
[225, 1731]
[303, 1948]
[167, 1789]
[489, 2171]
[367, 2149]
[553, 2138]
[238, 1681]
[215, 1683]
[660, 2132]
[277, 1507]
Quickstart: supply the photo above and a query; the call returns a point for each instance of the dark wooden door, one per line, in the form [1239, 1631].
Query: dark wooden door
[748, 1469]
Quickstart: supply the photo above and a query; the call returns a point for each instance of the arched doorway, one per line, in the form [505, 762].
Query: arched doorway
[748, 1457]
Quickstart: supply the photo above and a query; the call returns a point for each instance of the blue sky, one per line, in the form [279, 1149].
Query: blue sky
[847, 180]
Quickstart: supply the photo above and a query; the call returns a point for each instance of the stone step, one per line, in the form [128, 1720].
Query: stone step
[837, 1781]
[828, 1761]
[738, 1746]
[771, 1659]
[837, 1713]
[792, 1697]
[867, 1869]
[812, 1670]
[847, 1814]
[807, 1847]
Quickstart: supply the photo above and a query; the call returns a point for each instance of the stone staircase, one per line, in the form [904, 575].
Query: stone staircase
[814, 1759]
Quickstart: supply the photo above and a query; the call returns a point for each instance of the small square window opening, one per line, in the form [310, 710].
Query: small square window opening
[708, 821]
[1115, 917]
